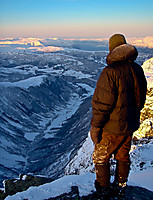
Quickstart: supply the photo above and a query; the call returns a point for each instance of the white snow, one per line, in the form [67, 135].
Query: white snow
[13, 70]
[85, 183]
[89, 89]
[63, 115]
[142, 178]
[46, 49]
[85, 179]
[141, 153]
[78, 75]
[31, 136]
[148, 70]
[79, 163]
[26, 45]
[27, 83]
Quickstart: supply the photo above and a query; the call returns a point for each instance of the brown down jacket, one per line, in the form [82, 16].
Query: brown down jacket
[120, 93]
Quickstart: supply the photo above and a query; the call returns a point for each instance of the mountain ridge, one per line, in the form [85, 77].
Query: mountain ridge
[44, 123]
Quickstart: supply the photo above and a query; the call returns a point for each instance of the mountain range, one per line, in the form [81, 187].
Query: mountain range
[45, 103]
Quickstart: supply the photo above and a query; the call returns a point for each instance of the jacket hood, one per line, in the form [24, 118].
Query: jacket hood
[121, 53]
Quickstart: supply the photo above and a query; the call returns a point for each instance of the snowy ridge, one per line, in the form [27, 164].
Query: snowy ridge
[85, 183]
[30, 82]
[46, 103]
[21, 41]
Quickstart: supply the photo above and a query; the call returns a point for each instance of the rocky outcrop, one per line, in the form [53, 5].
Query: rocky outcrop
[131, 193]
[23, 183]
[146, 126]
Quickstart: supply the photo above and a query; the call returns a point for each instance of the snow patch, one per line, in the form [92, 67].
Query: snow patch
[78, 75]
[25, 84]
[142, 179]
[85, 183]
[63, 115]
[148, 70]
[31, 136]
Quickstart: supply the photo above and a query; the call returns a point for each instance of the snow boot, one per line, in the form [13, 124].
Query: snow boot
[121, 176]
[121, 190]
[122, 170]
[102, 192]
[102, 180]
[103, 174]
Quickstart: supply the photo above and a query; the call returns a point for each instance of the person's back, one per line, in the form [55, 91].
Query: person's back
[116, 104]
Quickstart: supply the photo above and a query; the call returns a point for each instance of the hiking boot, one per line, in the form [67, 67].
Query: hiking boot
[118, 190]
[102, 191]
[121, 189]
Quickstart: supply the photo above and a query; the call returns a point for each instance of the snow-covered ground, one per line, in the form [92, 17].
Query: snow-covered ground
[85, 183]
[139, 176]
[79, 172]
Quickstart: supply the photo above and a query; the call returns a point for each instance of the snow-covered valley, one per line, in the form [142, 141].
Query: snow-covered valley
[45, 106]
[45, 112]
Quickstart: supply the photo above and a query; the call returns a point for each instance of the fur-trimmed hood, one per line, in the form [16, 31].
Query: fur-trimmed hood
[121, 53]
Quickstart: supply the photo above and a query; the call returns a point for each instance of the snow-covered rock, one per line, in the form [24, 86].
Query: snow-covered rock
[82, 162]
[148, 70]
[146, 126]
[85, 183]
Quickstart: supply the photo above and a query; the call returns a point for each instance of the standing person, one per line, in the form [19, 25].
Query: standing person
[116, 104]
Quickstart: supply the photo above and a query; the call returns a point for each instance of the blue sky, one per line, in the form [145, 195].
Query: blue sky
[75, 18]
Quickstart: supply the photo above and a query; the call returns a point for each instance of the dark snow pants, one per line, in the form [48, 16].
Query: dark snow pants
[120, 147]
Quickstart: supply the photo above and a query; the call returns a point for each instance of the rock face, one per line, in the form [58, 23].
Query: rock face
[146, 126]
[23, 183]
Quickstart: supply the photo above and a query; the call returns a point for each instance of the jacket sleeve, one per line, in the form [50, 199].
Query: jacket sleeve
[104, 98]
